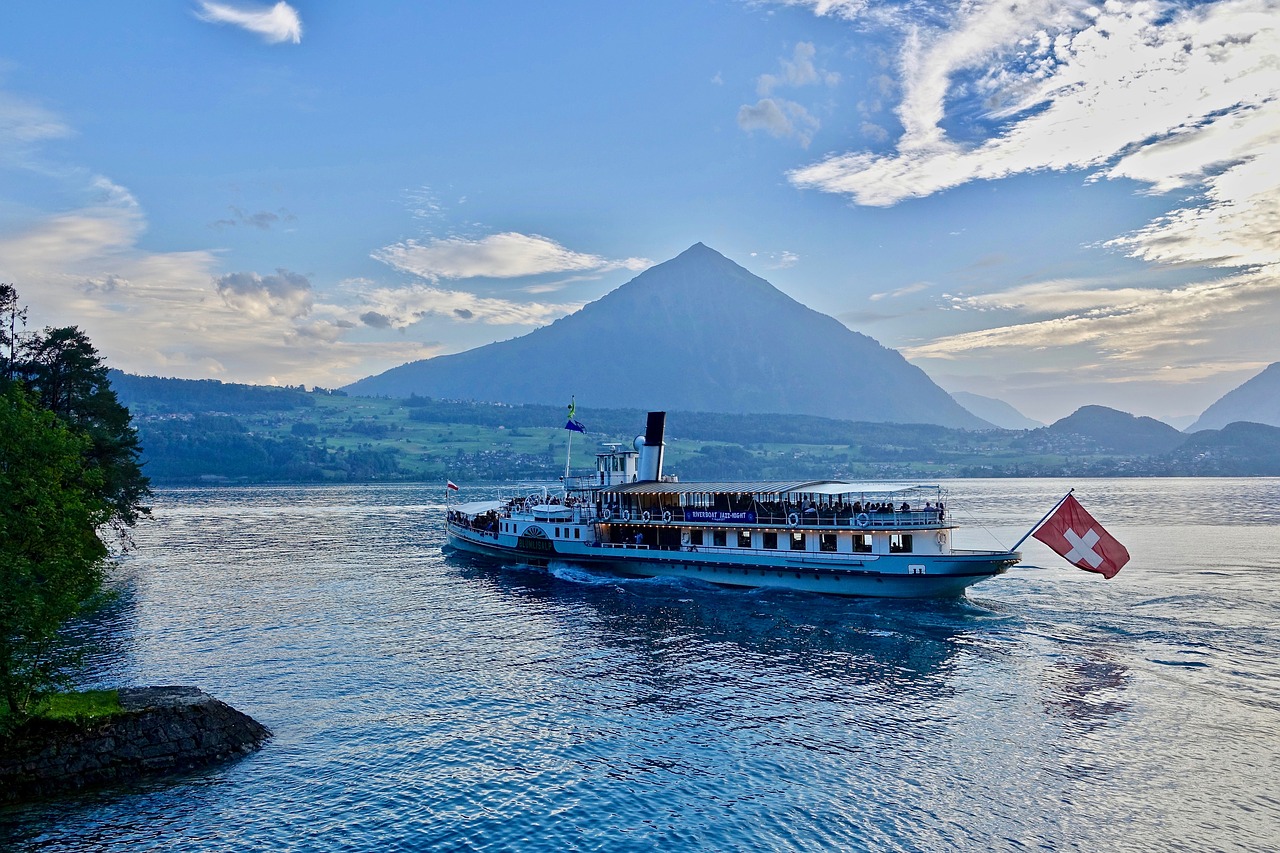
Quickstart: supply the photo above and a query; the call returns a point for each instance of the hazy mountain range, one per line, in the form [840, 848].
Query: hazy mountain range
[696, 333]
[994, 411]
[1257, 401]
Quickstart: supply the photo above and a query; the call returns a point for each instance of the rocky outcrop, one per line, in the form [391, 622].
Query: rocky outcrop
[162, 730]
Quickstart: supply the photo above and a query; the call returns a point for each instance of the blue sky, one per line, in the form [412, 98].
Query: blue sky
[1053, 203]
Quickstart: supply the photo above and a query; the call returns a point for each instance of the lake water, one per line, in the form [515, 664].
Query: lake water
[423, 701]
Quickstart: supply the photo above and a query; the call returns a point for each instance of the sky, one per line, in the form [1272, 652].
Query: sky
[1051, 203]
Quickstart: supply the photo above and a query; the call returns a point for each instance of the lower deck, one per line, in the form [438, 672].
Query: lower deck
[899, 575]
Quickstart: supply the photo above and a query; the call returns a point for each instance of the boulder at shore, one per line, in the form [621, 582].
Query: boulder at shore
[162, 730]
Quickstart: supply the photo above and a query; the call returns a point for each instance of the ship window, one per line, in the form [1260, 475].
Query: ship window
[827, 542]
[797, 541]
[861, 543]
[744, 538]
[718, 538]
[695, 537]
[771, 539]
[577, 533]
[899, 543]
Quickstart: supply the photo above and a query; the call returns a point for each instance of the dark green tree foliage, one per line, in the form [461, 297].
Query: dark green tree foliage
[62, 367]
[68, 471]
[51, 558]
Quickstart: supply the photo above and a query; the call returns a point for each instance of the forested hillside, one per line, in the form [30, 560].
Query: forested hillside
[211, 432]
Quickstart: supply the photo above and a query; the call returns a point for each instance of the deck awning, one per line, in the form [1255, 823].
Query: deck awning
[804, 487]
[477, 507]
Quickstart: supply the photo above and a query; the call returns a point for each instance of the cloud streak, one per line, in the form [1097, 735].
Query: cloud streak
[276, 24]
[506, 255]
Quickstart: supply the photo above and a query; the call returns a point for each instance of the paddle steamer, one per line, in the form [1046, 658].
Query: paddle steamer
[827, 536]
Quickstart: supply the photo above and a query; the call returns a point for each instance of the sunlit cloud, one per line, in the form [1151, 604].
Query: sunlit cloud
[285, 294]
[1124, 324]
[506, 255]
[402, 307]
[278, 23]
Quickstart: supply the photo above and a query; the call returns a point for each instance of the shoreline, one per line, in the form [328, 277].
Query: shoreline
[161, 731]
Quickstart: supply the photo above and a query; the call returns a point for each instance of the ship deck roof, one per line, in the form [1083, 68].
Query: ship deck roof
[804, 487]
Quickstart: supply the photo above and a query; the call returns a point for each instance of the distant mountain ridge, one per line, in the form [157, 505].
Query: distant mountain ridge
[997, 412]
[1119, 432]
[696, 333]
[1256, 401]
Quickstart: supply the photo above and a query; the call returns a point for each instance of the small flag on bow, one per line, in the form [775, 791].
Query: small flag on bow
[450, 485]
[1074, 534]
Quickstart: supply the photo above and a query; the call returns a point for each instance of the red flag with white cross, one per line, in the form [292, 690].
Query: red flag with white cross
[1074, 534]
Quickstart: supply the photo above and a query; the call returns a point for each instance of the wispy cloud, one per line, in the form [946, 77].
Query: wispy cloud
[780, 117]
[506, 255]
[799, 70]
[402, 307]
[278, 23]
[900, 292]
[1178, 97]
[1120, 324]
[263, 220]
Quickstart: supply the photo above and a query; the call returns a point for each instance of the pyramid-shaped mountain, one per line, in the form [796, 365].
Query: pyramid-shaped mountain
[697, 333]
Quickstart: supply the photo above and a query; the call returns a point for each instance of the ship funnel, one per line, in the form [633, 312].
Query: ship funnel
[650, 446]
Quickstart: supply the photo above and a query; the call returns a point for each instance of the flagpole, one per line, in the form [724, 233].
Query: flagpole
[567, 454]
[1036, 526]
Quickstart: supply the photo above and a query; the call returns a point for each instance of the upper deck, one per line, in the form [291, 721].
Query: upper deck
[810, 503]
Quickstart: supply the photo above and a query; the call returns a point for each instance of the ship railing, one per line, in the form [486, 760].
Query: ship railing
[780, 556]
[798, 518]
[626, 546]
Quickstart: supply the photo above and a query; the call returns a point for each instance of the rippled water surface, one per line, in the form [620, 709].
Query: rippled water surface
[425, 701]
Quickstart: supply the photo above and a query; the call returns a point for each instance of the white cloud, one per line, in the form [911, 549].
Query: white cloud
[780, 118]
[1178, 97]
[506, 255]
[1137, 84]
[401, 307]
[285, 294]
[1117, 324]
[799, 70]
[275, 24]
[22, 124]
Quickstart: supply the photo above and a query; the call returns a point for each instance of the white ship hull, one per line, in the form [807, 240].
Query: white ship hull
[896, 576]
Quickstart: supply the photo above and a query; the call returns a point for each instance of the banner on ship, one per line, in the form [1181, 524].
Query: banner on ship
[721, 516]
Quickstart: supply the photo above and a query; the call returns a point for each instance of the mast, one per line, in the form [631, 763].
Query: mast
[1036, 526]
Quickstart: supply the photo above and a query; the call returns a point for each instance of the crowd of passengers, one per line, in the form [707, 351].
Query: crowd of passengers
[486, 522]
[840, 511]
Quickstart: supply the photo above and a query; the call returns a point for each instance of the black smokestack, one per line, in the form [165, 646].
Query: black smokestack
[654, 428]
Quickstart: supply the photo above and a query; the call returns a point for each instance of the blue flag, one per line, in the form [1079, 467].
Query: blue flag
[573, 420]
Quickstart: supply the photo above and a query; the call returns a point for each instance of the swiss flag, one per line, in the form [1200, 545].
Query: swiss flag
[1074, 534]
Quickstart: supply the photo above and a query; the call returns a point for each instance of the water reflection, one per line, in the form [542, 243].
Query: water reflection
[1085, 692]
[906, 650]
